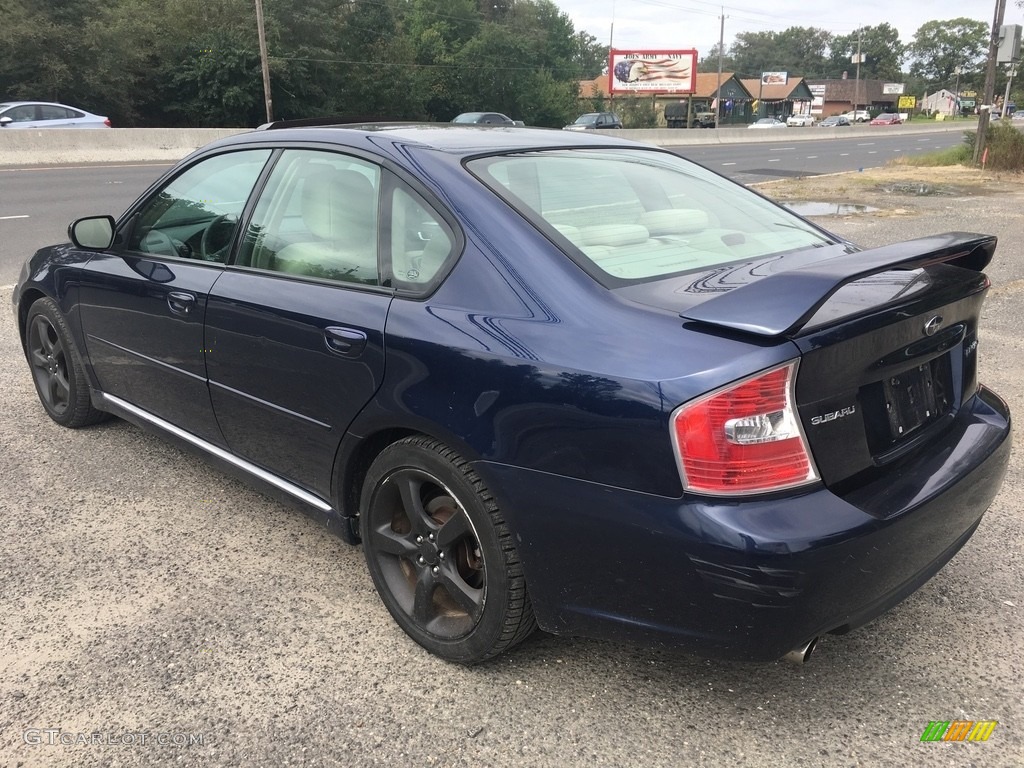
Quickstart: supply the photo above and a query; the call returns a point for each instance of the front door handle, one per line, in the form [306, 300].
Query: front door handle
[345, 341]
[180, 302]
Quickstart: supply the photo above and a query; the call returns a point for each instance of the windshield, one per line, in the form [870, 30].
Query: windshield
[637, 215]
[468, 117]
[586, 119]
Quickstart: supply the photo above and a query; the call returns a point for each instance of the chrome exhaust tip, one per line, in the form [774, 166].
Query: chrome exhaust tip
[803, 653]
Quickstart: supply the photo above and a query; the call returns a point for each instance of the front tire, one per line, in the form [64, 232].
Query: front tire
[440, 554]
[57, 369]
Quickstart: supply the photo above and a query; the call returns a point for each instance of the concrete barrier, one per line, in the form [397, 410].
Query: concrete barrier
[22, 147]
[70, 146]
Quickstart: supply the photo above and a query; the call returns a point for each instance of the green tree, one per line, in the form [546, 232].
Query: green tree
[879, 45]
[800, 50]
[940, 47]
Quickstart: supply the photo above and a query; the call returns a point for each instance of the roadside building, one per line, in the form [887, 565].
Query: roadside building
[732, 99]
[836, 97]
[942, 102]
[771, 98]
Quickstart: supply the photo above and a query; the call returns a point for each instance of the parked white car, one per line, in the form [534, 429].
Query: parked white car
[800, 121]
[858, 116]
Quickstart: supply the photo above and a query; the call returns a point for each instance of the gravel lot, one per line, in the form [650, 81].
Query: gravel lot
[145, 597]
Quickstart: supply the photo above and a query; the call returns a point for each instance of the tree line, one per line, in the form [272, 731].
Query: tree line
[942, 54]
[196, 62]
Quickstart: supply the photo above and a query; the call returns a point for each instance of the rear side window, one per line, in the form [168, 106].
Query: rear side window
[317, 217]
[52, 112]
[421, 242]
[638, 215]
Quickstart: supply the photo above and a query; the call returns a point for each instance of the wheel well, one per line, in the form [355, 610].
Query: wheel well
[30, 297]
[352, 471]
[352, 468]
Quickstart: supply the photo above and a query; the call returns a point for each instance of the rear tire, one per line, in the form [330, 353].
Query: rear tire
[440, 555]
[57, 369]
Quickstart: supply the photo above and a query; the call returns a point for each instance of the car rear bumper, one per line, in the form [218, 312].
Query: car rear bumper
[755, 578]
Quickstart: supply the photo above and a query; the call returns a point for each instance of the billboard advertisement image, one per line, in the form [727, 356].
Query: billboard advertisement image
[652, 71]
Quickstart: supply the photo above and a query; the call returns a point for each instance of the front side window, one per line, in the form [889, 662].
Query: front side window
[196, 214]
[636, 215]
[26, 113]
[317, 217]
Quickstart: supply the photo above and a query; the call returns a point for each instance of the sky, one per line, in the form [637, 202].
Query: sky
[685, 24]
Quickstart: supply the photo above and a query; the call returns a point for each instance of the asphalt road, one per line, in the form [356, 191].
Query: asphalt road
[146, 597]
[750, 163]
[37, 204]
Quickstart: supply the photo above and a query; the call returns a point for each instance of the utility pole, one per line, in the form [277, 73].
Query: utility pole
[611, 75]
[263, 61]
[856, 84]
[1009, 82]
[718, 90]
[990, 82]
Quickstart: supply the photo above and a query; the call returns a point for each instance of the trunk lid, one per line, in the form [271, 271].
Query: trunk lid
[887, 338]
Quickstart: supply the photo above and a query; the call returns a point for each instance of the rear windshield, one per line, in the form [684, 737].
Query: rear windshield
[638, 215]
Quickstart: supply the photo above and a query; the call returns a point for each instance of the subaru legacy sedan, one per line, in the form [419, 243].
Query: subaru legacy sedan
[544, 379]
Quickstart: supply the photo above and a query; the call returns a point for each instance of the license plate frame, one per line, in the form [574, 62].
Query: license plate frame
[916, 397]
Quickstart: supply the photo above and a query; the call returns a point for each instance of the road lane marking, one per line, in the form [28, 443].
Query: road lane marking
[19, 216]
[844, 154]
[782, 149]
[728, 163]
[811, 157]
[775, 160]
[867, 144]
[86, 167]
[872, 151]
[897, 150]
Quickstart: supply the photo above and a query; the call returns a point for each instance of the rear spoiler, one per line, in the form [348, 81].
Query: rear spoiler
[781, 303]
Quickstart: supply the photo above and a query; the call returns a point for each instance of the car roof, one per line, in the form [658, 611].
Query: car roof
[455, 139]
[47, 103]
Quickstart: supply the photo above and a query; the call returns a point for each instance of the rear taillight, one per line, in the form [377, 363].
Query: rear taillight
[107, 123]
[744, 438]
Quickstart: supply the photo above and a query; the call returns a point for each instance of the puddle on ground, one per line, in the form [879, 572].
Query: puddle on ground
[811, 208]
[918, 189]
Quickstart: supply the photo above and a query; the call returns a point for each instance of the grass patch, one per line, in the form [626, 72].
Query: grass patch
[961, 154]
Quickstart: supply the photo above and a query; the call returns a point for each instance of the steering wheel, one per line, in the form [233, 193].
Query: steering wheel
[159, 242]
[222, 227]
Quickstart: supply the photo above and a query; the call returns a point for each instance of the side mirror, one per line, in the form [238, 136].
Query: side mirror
[94, 233]
[4, 121]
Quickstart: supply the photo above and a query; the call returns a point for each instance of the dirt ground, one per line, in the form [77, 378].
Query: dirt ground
[897, 189]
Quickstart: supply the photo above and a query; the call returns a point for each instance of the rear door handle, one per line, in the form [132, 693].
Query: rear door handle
[345, 341]
[180, 302]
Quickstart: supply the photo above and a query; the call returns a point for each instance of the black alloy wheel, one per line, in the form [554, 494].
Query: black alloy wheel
[57, 369]
[440, 554]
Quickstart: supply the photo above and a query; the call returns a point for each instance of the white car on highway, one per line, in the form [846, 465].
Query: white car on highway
[45, 114]
[768, 122]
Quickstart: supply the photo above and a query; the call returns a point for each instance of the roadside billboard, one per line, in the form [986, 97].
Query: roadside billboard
[893, 89]
[774, 78]
[652, 71]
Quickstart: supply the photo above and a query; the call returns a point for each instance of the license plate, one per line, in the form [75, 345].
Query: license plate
[915, 397]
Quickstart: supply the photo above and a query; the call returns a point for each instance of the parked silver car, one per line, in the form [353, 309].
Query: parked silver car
[45, 114]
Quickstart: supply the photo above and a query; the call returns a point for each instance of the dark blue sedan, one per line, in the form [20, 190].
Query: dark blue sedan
[545, 378]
